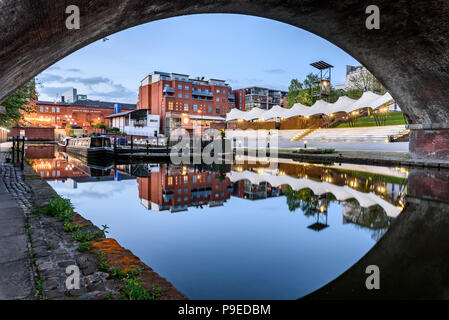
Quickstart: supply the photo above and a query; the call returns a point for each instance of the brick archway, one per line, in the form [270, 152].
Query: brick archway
[408, 54]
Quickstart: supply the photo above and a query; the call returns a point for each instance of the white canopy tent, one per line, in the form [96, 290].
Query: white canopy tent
[343, 104]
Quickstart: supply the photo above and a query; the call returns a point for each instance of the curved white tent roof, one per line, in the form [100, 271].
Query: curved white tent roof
[343, 104]
[342, 193]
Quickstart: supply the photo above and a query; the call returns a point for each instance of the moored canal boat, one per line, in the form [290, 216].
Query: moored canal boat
[91, 148]
[62, 144]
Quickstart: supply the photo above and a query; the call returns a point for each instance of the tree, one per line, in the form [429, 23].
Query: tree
[18, 103]
[363, 80]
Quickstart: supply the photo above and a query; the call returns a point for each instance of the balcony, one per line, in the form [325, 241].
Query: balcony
[202, 93]
[231, 97]
[168, 89]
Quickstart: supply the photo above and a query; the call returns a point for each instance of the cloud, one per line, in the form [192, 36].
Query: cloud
[96, 88]
[275, 71]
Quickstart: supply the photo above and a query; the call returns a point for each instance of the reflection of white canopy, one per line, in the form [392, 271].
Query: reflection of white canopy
[342, 193]
[343, 104]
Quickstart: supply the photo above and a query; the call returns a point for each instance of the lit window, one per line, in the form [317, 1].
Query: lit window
[186, 107]
[46, 109]
[195, 108]
[170, 180]
[186, 179]
[170, 105]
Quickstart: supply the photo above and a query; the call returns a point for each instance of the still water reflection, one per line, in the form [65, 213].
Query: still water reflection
[249, 231]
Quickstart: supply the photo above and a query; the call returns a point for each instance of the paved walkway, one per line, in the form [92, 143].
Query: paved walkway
[16, 274]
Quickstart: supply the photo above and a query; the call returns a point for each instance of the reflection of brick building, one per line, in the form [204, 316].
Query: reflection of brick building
[58, 168]
[83, 113]
[184, 102]
[179, 188]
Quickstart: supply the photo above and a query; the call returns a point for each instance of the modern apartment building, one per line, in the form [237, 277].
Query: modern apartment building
[183, 102]
[248, 98]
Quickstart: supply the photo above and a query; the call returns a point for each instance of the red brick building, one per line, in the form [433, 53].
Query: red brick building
[176, 188]
[82, 113]
[182, 102]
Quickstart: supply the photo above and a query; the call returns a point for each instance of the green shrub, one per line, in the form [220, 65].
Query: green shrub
[59, 207]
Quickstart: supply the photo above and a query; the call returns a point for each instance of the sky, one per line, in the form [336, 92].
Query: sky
[243, 50]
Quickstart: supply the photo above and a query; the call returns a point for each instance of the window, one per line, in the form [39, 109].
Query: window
[218, 99]
[195, 108]
[186, 179]
[209, 109]
[186, 87]
[53, 109]
[57, 109]
[194, 179]
[218, 91]
[46, 109]
[170, 105]
[186, 198]
[224, 99]
[180, 95]
[186, 107]
[179, 190]
[179, 86]
[187, 96]
[186, 190]
[217, 109]
[170, 180]
[41, 109]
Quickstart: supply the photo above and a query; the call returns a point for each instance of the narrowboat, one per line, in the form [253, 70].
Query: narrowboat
[62, 144]
[92, 148]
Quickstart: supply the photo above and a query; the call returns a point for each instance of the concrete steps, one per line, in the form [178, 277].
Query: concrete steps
[372, 134]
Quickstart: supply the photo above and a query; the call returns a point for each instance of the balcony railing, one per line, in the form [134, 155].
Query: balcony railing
[202, 93]
[169, 89]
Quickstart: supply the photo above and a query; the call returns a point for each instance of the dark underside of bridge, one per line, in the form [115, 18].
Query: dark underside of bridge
[409, 54]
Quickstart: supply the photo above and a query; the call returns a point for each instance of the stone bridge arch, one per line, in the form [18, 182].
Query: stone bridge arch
[409, 54]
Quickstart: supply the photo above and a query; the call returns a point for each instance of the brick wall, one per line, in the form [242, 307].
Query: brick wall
[34, 133]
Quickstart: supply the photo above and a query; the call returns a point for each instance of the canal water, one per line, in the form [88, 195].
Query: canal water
[253, 230]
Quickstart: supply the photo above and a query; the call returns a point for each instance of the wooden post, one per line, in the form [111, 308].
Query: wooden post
[13, 150]
[148, 147]
[18, 149]
[132, 142]
[22, 164]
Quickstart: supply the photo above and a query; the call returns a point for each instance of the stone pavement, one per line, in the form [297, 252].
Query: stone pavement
[16, 271]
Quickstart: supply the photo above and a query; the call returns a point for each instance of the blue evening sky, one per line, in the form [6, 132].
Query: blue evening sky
[243, 50]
